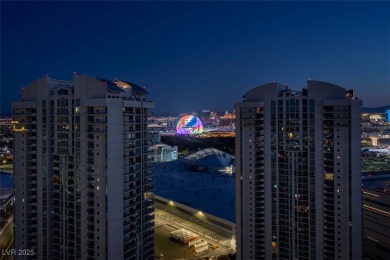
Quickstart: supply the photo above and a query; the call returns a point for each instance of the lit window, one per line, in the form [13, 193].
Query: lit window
[328, 176]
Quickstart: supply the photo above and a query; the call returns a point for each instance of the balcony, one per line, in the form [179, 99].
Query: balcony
[148, 173]
[128, 146]
[128, 155]
[129, 221]
[147, 234]
[90, 228]
[148, 203]
[148, 210]
[129, 195]
[148, 250]
[91, 244]
[129, 228]
[96, 129]
[149, 225]
[148, 188]
[128, 130]
[129, 247]
[129, 208]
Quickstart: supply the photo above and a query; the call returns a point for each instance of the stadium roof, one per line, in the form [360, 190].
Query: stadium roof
[211, 158]
[203, 154]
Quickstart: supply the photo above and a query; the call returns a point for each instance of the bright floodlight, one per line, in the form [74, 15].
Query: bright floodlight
[189, 125]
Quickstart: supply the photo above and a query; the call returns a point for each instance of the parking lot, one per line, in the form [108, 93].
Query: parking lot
[170, 249]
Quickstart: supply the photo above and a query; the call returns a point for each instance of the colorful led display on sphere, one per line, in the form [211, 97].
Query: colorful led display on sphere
[189, 125]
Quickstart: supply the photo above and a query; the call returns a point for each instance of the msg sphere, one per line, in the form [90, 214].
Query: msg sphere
[189, 125]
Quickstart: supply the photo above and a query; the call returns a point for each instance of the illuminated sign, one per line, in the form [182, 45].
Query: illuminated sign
[189, 125]
[22, 129]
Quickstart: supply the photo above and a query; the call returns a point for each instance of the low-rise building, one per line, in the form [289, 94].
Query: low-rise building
[163, 153]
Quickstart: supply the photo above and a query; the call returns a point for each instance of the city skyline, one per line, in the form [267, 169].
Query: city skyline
[199, 51]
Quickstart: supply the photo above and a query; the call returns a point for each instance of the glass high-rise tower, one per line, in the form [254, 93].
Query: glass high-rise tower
[298, 175]
[83, 186]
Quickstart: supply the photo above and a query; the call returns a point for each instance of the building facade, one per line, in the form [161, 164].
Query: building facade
[204, 115]
[83, 180]
[387, 113]
[298, 173]
[163, 153]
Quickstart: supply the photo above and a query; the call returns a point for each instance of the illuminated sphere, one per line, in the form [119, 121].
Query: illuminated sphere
[189, 125]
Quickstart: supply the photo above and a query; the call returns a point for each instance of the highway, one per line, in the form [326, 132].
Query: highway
[6, 235]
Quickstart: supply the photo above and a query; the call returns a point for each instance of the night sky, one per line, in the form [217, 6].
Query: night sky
[198, 55]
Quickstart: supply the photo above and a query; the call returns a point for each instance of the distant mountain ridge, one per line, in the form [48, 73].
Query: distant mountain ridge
[381, 109]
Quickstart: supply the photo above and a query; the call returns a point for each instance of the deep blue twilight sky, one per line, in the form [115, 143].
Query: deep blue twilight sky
[198, 55]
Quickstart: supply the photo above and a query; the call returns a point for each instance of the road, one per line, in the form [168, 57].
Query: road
[6, 235]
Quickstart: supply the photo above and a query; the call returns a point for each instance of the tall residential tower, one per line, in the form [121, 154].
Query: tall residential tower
[83, 184]
[298, 173]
